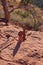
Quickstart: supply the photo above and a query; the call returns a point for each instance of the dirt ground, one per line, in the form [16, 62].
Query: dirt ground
[29, 52]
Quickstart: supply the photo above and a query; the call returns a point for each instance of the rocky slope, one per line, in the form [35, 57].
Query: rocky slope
[29, 52]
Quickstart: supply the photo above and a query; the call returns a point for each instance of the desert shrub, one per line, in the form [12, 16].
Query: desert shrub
[22, 14]
[36, 25]
[26, 18]
[23, 17]
[25, 2]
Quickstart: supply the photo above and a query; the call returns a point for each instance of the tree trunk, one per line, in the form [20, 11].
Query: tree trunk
[5, 7]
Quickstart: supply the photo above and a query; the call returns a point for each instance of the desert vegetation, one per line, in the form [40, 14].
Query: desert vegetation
[30, 15]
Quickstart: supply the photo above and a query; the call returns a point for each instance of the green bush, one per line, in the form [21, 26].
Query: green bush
[23, 15]
[25, 2]
[26, 18]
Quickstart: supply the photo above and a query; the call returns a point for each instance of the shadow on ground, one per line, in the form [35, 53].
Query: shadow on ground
[16, 48]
